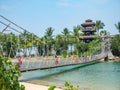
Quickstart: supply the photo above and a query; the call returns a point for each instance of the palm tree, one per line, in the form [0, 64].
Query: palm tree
[99, 25]
[66, 33]
[118, 26]
[76, 35]
[59, 39]
[71, 43]
[40, 43]
[25, 42]
[9, 44]
[47, 42]
[104, 32]
[49, 32]
[48, 38]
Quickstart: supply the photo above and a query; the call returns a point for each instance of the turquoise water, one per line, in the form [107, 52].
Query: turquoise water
[100, 76]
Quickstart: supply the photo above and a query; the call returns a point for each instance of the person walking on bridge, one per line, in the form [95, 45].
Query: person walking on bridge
[56, 60]
[19, 62]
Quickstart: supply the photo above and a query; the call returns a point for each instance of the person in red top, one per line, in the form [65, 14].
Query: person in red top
[56, 60]
[19, 62]
[76, 59]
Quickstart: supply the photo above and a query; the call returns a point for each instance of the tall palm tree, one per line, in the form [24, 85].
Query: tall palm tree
[66, 33]
[76, 32]
[104, 32]
[59, 39]
[48, 38]
[9, 44]
[118, 26]
[25, 41]
[99, 25]
[76, 35]
[71, 43]
[40, 45]
[49, 32]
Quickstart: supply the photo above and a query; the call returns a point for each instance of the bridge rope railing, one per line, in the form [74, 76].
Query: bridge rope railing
[49, 62]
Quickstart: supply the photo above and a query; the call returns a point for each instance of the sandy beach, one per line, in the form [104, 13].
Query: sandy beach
[29, 86]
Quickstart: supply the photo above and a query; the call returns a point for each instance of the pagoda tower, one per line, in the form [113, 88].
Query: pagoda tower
[88, 31]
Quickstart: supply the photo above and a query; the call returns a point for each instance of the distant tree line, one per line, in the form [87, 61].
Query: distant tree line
[11, 44]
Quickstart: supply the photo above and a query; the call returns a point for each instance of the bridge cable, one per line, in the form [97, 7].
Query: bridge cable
[10, 27]
[16, 25]
[12, 22]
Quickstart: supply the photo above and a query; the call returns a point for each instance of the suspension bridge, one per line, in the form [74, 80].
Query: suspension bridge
[41, 63]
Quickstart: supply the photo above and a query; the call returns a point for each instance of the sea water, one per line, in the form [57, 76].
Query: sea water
[100, 76]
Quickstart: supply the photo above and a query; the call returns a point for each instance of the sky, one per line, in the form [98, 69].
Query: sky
[37, 15]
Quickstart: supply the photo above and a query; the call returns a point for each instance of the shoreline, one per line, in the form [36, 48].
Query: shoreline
[116, 58]
[30, 86]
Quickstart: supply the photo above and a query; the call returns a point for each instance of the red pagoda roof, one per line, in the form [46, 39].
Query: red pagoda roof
[88, 22]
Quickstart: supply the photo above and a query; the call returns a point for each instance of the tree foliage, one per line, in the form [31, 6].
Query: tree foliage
[103, 33]
[8, 44]
[115, 45]
[9, 75]
[118, 26]
[68, 42]
[99, 25]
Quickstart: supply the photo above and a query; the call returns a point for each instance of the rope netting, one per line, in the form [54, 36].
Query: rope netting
[31, 63]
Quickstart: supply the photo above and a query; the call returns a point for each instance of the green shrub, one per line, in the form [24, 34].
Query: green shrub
[52, 87]
[115, 45]
[9, 75]
[64, 53]
[69, 86]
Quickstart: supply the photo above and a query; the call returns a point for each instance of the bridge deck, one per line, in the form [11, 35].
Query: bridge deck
[57, 66]
[29, 65]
